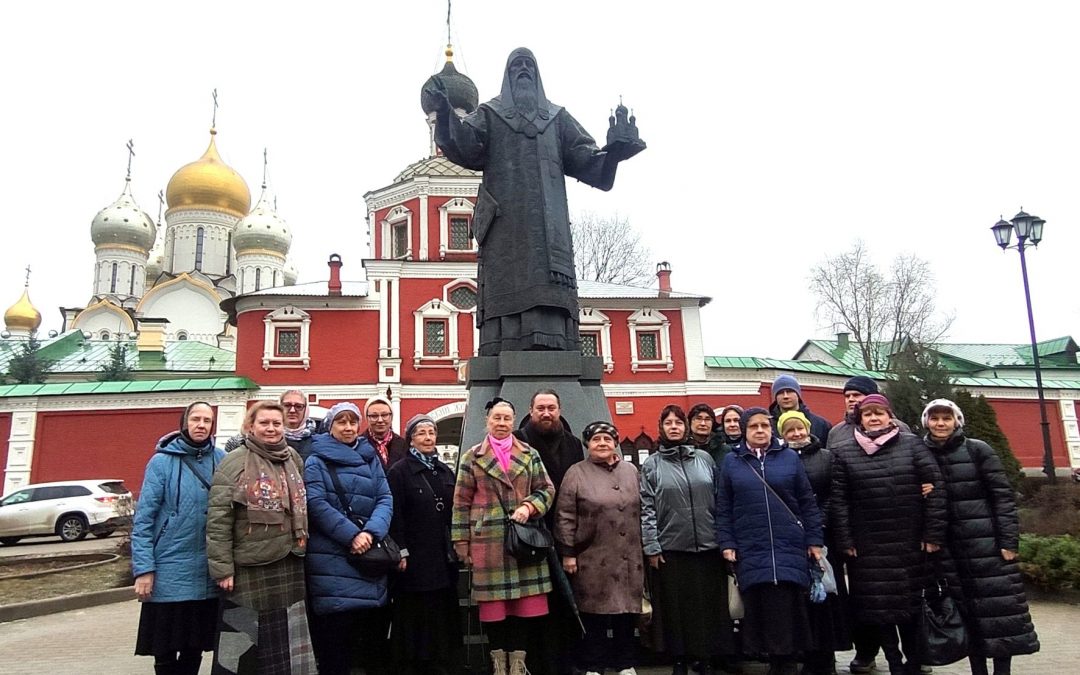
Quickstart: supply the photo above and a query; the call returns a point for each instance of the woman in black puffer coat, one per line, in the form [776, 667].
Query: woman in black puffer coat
[984, 534]
[885, 526]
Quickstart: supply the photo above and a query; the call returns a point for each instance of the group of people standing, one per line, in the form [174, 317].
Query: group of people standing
[887, 512]
[246, 553]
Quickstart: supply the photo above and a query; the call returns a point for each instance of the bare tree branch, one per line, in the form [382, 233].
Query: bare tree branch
[608, 249]
[878, 311]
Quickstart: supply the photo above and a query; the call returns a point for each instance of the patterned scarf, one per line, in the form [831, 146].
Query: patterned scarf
[381, 444]
[872, 441]
[502, 450]
[305, 431]
[272, 486]
[426, 460]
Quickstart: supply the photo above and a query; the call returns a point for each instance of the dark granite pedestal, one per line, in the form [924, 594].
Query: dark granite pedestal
[515, 376]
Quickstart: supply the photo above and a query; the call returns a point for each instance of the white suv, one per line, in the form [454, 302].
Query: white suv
[68, 509]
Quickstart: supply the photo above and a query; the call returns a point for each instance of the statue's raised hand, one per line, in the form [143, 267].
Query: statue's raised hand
[435, 91]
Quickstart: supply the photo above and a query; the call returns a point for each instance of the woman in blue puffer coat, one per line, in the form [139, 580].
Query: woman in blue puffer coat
[769, 525]
[347, 606]
[168, 547]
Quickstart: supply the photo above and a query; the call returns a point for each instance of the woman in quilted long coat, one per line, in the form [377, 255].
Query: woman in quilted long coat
[984, 534]
[885, 527]
[502, 478]
[346, 604]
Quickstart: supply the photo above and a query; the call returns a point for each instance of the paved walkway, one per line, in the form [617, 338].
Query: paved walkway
[100, 640]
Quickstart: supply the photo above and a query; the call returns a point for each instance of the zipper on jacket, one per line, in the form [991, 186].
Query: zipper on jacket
[690, 490]
[768, 514]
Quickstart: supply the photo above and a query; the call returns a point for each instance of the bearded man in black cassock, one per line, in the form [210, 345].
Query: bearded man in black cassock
[525, 145]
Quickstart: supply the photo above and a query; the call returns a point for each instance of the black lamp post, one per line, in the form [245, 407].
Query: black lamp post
[1029, 231]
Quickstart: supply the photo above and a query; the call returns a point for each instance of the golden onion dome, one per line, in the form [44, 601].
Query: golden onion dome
[209, 183]
[23, 316]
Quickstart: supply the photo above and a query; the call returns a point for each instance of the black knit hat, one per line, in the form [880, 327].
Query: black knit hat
[862, 384]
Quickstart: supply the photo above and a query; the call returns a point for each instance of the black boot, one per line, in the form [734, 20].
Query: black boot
[165, 666]
[1002, 665]
[679, 668]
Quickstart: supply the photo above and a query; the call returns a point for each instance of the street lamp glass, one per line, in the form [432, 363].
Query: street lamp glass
[1037, 230]
[1022, 222]
[1002, 230]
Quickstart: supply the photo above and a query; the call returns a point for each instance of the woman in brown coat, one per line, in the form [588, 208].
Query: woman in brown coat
[598, 534]
[502, 479]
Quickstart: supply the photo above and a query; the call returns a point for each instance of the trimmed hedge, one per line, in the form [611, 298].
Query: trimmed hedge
[1052, 563]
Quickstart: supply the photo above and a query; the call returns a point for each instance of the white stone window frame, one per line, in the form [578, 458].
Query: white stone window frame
[594, 321]
[287, 317]
[644, 320]
[397, 216]
[453, 286]
[454, 207]
[441, 310]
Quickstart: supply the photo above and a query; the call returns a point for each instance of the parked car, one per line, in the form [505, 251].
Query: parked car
[67, 509]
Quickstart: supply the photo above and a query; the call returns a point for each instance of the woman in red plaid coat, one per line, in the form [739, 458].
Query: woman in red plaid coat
[511, 595]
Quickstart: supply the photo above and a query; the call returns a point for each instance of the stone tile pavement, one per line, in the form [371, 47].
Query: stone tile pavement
[100, 640]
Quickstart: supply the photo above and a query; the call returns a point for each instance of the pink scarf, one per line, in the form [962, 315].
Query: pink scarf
[502, 450]
[872, 443]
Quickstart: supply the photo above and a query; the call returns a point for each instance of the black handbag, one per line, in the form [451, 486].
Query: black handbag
[527, 542]
[942, 634]
[383, 556]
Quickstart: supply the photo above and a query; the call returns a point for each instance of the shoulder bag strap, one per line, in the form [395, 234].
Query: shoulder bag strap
[186, 459]
[770, 489]
[336, 480]
[439, 503]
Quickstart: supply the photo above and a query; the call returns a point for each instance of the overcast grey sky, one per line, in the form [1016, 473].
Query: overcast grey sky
[778, 132]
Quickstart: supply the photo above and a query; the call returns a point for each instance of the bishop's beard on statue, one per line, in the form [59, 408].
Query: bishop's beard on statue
[525, 97]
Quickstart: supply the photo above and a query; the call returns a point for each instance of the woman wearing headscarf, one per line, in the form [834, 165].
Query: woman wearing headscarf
[498, 480]
[828, 619]
[885, 526]
[348, 619]
[256, 532]
[598, 535]
[769, 527]
[168, 547]
[678, 508]
[984, 535]
[728, 422]
[427, 630]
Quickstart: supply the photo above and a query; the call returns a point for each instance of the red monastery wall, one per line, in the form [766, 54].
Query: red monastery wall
[99, 444]
[343, 349]
[1019, 420]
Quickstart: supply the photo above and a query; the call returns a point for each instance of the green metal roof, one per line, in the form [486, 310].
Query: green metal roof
[1058, 353]
[71, 353]
[132, 387]
[756, 363]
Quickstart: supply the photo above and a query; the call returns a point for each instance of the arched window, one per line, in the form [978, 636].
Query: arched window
[242, 275]
[112, 284]
[182, 335]
[228, 256]
[258, 278]
[200, 236]
[105, 335]
[131, 289]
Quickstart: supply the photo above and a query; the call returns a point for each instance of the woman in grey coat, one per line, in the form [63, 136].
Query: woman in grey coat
[678, 510]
